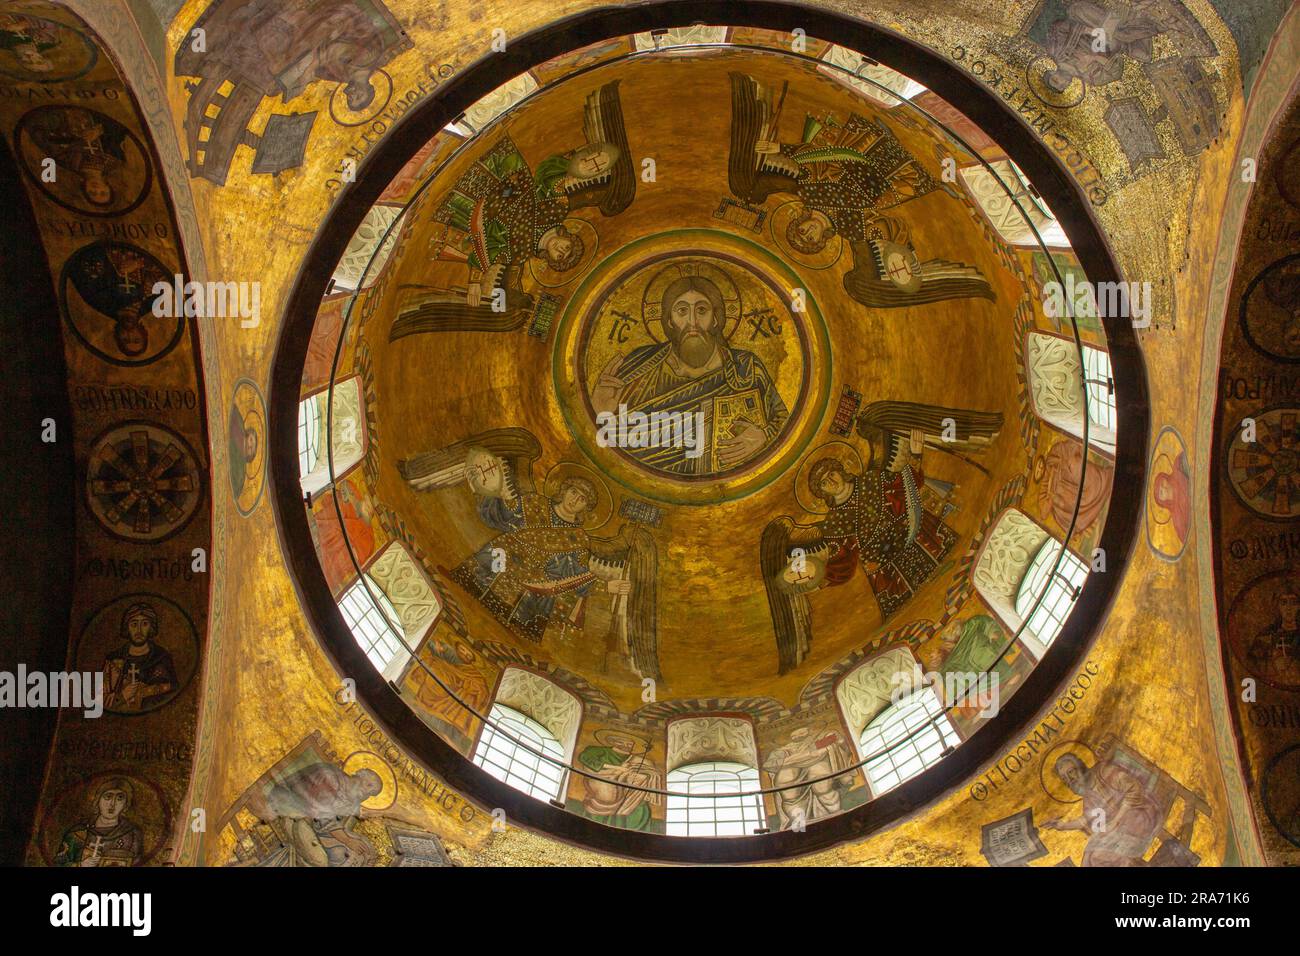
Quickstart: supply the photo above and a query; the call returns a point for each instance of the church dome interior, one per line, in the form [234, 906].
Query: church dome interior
[669, 430]
[689, 432]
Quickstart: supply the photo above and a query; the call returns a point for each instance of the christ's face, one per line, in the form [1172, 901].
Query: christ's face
[693, 328]
[112, 803]
[692, 314]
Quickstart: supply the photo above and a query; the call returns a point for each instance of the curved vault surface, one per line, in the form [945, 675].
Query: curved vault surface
[707, 404]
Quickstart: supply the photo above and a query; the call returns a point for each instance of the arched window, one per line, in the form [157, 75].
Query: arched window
[347, 434]
[1101, 388]
[309, 432]
[389, 608]
[535, 719]
[1058, 378]
[374, 622]
[715, 805]
[355, 264]
[1059, 585]
[501, 752]
[853, 64]
[1015, 566]
[904, 739]
[712, 760]
[990, 188]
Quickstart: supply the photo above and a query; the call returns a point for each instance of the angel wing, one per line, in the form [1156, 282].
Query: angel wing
[634, 550]
[642, 610]
[788, 603]
[966, 429]
[602, 123]
[445, 467]
[941, 280]
[755, 111]
[425, 309]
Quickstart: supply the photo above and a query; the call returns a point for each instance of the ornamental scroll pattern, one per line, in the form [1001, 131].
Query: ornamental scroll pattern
[855, 63]
[697, 739]
[352, 265]
[695, 35]
[503, 98]
[870, 687]
[987, 188]
[407, 589]
[1011, 548]
[347, 424]
[534, 696]
[1055, 378]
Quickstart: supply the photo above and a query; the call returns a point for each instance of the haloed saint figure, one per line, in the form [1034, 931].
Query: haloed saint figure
[724, 398]
[139, 675]
[106, 837]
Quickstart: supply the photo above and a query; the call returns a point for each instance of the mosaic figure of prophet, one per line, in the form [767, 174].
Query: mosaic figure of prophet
[619, 759]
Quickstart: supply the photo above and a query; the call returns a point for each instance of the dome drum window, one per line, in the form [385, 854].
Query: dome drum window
[1029, 579]
[343, 418]
[528, 739]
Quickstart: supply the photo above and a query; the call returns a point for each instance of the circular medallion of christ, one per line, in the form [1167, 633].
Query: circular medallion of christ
[693, 364]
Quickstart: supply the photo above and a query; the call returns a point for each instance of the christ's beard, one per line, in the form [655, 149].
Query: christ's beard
[695, 349]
